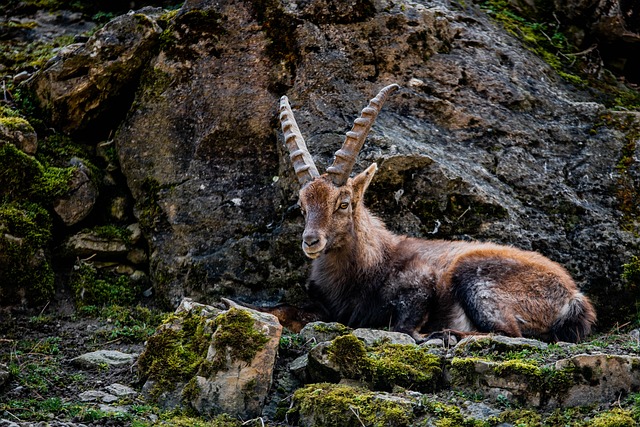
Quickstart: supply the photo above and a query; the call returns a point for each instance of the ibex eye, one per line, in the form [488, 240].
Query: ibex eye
[344, 205]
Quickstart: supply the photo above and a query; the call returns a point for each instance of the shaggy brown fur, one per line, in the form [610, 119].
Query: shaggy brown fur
[363, 275]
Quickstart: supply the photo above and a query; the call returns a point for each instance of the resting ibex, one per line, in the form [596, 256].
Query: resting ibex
[365, 275]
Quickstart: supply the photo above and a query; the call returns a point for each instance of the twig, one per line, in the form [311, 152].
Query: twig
[357, 415]
[584, 52]
[254, 419]
[464, 213]
[44, 308]
[9, 412]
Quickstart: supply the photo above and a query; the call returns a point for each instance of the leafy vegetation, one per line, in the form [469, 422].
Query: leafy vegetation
[94, 287]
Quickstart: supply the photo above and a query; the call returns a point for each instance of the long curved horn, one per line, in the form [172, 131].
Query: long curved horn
[302, 161]
[345, 157]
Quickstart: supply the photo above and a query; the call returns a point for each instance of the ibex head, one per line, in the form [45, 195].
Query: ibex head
[329, 202]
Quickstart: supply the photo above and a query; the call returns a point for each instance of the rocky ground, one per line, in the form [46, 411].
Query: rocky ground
[47, 381]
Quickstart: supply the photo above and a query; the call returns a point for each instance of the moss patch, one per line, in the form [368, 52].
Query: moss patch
[386, 365]
[176, 352]
[614, 418]
[24, 177]
[25, 269]
[236, 338]
[93, 287]
[331, 405]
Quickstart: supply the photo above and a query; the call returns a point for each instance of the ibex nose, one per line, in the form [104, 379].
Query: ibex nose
[310, 239]
[312, 243]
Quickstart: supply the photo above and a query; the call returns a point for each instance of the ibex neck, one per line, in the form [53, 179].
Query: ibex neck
[372, 241]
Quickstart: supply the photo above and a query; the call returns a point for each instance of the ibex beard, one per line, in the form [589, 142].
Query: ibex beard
[363, 275]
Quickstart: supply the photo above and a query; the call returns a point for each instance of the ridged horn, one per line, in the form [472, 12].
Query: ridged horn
[345, 157]
[302, 161]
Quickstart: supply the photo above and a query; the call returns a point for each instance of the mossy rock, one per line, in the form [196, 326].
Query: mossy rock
[211, 361]
[24, 177]
[26, 274]
[387, 365]
[332, 405]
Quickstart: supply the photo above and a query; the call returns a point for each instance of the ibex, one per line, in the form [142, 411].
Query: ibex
[363, 275]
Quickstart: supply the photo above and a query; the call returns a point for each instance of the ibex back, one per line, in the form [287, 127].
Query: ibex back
[363, 275]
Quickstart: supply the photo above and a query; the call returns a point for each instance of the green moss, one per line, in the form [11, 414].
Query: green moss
[520, 368]
[406, 366]
[521, 418]
[178, 350]
[148, 211]
[58, 149]
[25, 235]
[174, 354]
[112, 232]
[16, 123]
[462, 370]
[154, 82]
[92, 287]
[332, 328]
[350, 354]
[24, 177]
[8, 112]
[386, 365]
[614, 418]
[236, 336]
[330, 405]
[448, 415]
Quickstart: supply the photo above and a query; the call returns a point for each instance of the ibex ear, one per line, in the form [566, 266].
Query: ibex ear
[361, 182]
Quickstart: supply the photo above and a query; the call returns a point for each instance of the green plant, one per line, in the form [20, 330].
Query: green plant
[92, 287]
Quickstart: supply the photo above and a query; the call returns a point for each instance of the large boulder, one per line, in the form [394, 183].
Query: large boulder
[484, 141]
[85, 84]
[211, 360]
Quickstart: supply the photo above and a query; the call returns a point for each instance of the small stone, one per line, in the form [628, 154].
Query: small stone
[121, 390]
[113, 409]
[100, 358]
[137, 256]
[376, 336]
[82, 196]
[299, 367]
[20, 77]
[320, 331]
[4, 374]
[97, 396]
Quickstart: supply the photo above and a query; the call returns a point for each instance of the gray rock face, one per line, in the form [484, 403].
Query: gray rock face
[599, 378]
[318, 332]
[473, 147]
[375, 336]
[483, 142]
